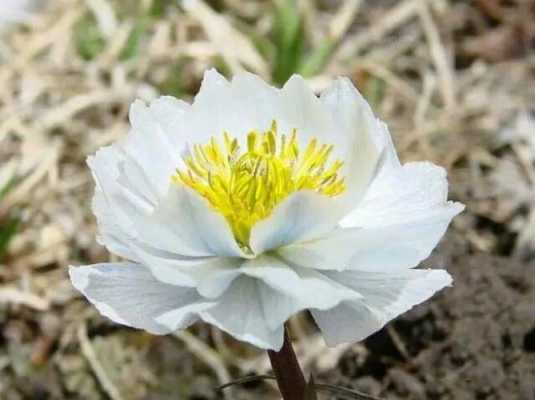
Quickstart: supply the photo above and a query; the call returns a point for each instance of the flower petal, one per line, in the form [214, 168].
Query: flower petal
[257, 101]
[356, 120]
[402, 194]
[239, 312]
[216, 282]
[183, 223]
[402, 217]
[156, 142]
[237, 107]
[301, 109]
[113, 204]
[212, 227]
[188, 271]
[284, 289]
[123, 194]
[351, 126]
[130, 178]
[128, 294]
[110, 233]
[409, 201]
[248, 103]
[289, 289]
[384, 248]
[385, 296]
[214, 90]
[301, 216]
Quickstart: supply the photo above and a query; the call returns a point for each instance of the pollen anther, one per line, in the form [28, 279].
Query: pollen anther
[246, 186]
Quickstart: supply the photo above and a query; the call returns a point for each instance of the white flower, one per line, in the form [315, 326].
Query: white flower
[254, 203]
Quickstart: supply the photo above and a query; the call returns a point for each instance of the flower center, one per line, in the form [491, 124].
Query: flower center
[246, 186]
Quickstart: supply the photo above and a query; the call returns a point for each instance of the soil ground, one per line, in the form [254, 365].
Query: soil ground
[476, 340]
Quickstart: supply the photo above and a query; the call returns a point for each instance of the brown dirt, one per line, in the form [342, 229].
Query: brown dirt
[475, 340]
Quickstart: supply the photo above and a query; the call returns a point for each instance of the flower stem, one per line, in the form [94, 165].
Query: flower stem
[290, 378]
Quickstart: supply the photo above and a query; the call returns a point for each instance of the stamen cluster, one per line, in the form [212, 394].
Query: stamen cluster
[246, 186]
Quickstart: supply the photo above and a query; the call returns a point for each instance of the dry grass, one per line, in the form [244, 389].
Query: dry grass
[453, 79]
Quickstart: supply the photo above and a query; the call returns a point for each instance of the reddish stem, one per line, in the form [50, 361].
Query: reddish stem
[290, 378]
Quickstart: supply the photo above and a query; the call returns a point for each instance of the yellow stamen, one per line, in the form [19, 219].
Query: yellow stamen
[246, 187]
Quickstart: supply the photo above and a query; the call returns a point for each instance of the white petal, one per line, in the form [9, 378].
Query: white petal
[248, 103]
[116, 206]
[239, 312]
[110, 233]
[212, 227]
[258, 103]
[113, 204]
[351, 126]
[236, 107]
[333, 251]
[402, 246]
[215, 89]
[211, 276]
[197, 272]
[355, 119]
[385, 248]
[180, 223]
[128, 294]
[301, 216]
[401, 195]
[217, 281]
[383, 141]
[400, 220]
[301, 109]
[289, 289]
[184, 223]
[385, 296]
[169, 112]
[143, 162]
[156, 140]
[171, 225]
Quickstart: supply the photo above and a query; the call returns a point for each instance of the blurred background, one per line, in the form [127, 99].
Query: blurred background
[454, 80]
